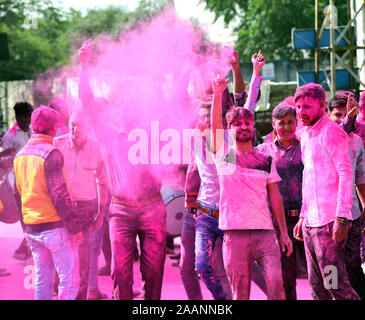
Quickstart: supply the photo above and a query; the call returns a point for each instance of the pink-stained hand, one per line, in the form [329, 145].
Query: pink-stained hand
[258, 61]
[352, 107]
[85, 53]
[232, 56]
[219, 84]
[10, 152]
[285, 244]
[298, 230]
[98, 222]
[339, 232]
[78, 239]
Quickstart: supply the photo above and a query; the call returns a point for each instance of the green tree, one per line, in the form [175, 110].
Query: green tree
[59, 32]
[32, 51]
[266, 24]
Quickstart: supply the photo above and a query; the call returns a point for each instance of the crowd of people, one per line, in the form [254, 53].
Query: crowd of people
[254, 212]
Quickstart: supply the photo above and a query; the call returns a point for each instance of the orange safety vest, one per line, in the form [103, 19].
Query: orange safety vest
[37, 206]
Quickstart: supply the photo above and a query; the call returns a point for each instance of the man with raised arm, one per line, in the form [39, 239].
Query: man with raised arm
[247, 177]
[136, 206]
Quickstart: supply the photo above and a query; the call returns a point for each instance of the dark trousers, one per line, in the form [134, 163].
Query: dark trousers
[327, 273]
[353, 259]
[289, 264]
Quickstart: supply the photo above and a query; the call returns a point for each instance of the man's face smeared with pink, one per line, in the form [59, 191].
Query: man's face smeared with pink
[309, 110]
[244, 129]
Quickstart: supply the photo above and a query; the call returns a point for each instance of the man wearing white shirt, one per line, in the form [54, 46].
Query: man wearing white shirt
[14, 140]
[327, 196]
[247, 178]
[84, 170]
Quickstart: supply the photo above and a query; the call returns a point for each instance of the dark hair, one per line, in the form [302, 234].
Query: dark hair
[312, 90]
[237, 112]
[23, 108]
[338, 101]
[346, 93]
[283, 109]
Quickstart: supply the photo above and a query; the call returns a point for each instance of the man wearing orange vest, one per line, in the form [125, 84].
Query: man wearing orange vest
[49, 216]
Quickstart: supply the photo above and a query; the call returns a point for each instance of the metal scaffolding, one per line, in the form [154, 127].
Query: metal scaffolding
[340, 56]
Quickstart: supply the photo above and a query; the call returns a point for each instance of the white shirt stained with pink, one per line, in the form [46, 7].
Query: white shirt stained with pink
[327, 175]
[243, 189]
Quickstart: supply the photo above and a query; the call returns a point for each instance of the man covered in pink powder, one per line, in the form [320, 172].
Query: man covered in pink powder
[247, 178]
[338, 106]
[49, 217]
[327, 196]
[137, 208]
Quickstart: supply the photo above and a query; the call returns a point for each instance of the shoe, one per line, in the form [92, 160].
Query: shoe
[175, 257]
[96, 295]
[4, 272]
[136, 293]
[21, 256]
[104, 271]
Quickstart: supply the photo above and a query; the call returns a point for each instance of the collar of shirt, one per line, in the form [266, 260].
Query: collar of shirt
[317, 126]
[41, 138]
[295, 143]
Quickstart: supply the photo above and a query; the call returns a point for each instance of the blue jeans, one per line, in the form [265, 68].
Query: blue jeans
[189, 277]
[96, 243]
[53, 249]
[207, 234]
[149, 223]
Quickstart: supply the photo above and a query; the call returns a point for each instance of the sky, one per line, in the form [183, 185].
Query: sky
[186, 9]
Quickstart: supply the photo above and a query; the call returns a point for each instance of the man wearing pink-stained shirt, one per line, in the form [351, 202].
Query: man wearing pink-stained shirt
[327, 197]
[84, 170]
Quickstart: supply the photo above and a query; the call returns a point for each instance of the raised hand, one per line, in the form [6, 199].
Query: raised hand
[85, 53]
[219, 84]
[258, 61]
[232, 56]
[352, 107]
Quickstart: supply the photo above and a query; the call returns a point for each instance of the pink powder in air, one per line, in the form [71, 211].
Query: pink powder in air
[152, 77]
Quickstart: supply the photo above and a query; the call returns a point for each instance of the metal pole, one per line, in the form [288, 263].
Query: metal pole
[351, 43]
[332, 50]
[316, 52]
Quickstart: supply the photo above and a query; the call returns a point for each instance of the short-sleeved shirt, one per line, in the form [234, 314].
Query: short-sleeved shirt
[83, 168]
[288, 162]
[16, 138]
[243, 178]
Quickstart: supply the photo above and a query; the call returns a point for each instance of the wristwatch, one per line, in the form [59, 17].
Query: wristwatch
[342, 220]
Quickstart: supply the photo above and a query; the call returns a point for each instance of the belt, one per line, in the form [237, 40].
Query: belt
[36, 228]
[210, 212]
[83, 203]
[136, 204]
[292, 213]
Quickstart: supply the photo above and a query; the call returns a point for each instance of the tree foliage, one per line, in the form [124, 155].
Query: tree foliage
[266, 24]
[50, 45]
